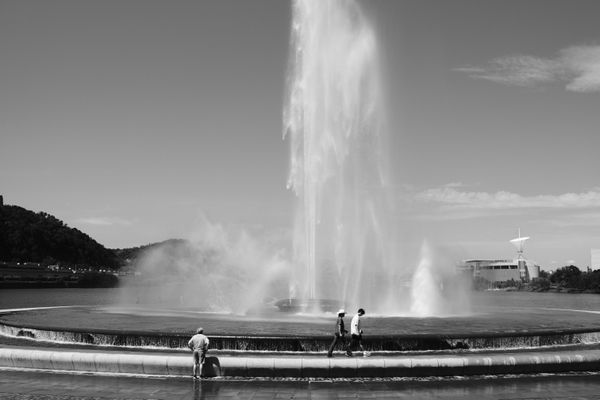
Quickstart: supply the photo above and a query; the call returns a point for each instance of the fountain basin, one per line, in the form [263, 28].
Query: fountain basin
[284, 332]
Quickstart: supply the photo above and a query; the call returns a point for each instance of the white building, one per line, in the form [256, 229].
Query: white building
[502, 270]
[518, 269]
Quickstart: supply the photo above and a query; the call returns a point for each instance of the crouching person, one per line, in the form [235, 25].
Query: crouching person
[199, 345]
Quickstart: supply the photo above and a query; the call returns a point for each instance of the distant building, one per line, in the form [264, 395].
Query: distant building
[595, 263]
[518, 269]
[494, 270]
[502, 270]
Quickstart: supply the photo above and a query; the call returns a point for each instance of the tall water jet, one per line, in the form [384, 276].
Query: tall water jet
[338, 170]
[437, 287]
[426, 288]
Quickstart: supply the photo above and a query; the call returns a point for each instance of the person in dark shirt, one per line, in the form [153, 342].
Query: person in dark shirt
[339, 335]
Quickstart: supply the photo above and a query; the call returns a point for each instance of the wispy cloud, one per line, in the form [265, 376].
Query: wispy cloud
[103, 221]
[578, 67]
[452, 198]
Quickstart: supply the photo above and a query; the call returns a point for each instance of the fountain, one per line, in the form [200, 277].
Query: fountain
[342, 242]
[344, 245]
[437, 289]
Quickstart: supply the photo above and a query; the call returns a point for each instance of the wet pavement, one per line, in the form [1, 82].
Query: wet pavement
[17, 385]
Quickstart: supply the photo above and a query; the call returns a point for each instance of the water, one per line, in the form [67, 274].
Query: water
[436, 288]
[426, 288]
[343, 243]
[505, 320]
[26, 298]
[493, 312]
[19, 385]
[216, 269]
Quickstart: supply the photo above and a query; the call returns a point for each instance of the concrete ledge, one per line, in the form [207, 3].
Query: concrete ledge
[370, 367]
[61, 361]
[458, 340]
[286, 367]
[342, 368]
[154, 365]
[233, 367]
[315, 367]
[526, 362]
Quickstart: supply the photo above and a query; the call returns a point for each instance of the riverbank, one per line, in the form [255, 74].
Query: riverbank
[38, 277]
[527, 288]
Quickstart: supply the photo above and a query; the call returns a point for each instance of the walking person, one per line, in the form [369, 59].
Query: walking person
[199, 345]
[356, 332]
[339, 335]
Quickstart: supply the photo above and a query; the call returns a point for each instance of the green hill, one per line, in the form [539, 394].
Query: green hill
[26, 236]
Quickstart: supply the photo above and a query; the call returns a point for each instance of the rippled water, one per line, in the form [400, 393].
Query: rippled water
[21, 298]
[494, 312]
[482, 301]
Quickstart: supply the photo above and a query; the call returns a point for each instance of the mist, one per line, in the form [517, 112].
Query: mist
[216, 269]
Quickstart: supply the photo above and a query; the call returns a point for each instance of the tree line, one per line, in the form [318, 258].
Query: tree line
[26, 236]
[566, 279]
[569, 278]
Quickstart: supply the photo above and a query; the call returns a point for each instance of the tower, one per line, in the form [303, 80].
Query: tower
[519, 243]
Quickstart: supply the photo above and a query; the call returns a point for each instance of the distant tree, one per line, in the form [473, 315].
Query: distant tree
[544, 274]
[591, 281]
[567, 277]
[540, 284]
[509, 284]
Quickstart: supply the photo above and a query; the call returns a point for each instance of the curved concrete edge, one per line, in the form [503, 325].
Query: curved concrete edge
[495, 340]
[303, 367]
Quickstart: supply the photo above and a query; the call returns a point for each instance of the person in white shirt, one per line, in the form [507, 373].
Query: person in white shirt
[356, 332]
[199, 345]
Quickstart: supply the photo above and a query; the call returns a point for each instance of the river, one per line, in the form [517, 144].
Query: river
[489, 300]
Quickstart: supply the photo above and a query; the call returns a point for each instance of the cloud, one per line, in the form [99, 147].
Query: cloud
[450, 197]
[578, 67]
[454, 185]
[583, 63]
[103, 221]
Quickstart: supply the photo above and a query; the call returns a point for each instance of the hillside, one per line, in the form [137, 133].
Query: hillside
[128, 255]
[26, 236]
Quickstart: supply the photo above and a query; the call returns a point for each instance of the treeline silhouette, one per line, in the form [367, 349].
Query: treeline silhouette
[26, 236]
[571, 277]
[566, 279]
[129, 254]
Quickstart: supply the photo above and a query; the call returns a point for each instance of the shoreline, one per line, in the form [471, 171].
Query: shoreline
[539, 290]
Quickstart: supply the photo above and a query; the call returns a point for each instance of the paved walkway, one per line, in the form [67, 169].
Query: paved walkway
[52, 386]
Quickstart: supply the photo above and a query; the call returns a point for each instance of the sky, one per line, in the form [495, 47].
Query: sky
[134, 120]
